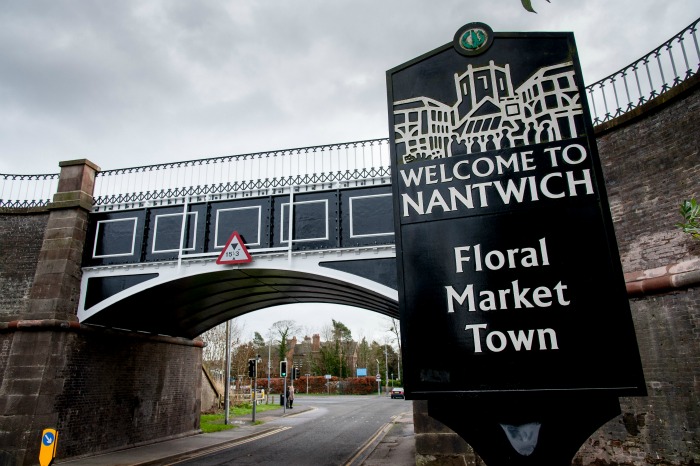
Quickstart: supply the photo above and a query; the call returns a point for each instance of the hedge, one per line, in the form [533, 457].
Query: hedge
[319, 385]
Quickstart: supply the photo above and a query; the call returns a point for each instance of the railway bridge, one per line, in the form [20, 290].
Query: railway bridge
[107, 276]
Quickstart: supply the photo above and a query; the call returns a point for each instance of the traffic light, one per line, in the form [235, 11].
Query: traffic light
[296, 373]
[283, 368]
[251, 367]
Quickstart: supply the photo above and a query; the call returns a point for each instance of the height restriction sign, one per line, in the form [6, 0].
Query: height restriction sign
[234, 252]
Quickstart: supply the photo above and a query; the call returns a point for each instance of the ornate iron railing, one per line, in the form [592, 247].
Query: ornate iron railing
[652, 75]
[359, 160]
[655, 73]
[27, 191]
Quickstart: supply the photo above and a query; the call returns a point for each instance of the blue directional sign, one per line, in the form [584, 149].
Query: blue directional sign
[48, 439]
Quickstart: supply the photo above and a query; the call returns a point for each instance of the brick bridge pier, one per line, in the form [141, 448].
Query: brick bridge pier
[102, 389]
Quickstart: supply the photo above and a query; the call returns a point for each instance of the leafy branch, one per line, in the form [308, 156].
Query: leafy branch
[690, 210]
[527, 4]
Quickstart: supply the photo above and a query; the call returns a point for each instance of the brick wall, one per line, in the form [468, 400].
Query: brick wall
[650, 165]
[102, 390]
[144, 390]
[21, 236]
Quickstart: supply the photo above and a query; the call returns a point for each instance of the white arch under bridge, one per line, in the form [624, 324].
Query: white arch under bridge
[185, 298]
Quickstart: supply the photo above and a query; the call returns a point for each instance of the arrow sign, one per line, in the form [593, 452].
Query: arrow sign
[234, 252]
[47, 450]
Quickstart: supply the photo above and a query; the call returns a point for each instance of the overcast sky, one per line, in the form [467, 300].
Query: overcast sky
[126, 83]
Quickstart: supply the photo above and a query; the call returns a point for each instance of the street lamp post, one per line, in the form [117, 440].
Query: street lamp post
[227, 373]
[269, 363]
[379, 387]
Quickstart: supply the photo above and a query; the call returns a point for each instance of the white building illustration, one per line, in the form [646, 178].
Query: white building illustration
[490, 114]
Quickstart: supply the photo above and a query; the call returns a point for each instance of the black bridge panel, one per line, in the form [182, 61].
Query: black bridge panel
[379, 270]
[315, 223]
[249, 217]
[165, 232]
[367, 217]
[324, 218]
[101, 288]
[115, 237]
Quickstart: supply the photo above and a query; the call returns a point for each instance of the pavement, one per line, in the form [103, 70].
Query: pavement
[392, 444]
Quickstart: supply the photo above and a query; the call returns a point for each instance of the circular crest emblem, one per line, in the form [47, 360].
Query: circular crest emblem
[473, 39]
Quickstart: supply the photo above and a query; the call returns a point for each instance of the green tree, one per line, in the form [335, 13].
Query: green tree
[363, 355]
[343, 343]
[258, 341]
[527, 4]
[285, 329]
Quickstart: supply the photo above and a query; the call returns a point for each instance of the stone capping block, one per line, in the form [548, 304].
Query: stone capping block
[77, 175]
[663, 279]
[71, 199]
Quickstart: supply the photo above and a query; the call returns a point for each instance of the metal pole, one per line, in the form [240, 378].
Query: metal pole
[269, 363]
[255, 394]
[386, 368]
[398, 376]
[379, 387]
[227, 388]
[182, 233]
[284, 409]
[291, 223]
[255, 386]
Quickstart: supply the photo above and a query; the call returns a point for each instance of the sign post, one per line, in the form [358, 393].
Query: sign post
[49, 442]
[506, 253]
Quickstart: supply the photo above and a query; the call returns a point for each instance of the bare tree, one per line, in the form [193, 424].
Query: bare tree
[214, 352]
[395, 329]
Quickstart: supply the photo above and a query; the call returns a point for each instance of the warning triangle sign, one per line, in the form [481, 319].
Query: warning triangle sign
[234, 252]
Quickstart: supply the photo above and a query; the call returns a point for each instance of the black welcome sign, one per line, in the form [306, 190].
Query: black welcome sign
[509, 274]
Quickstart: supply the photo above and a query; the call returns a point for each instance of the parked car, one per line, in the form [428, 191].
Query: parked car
[397, 392]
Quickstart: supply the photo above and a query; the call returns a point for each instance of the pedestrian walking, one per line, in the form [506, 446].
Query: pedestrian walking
[290, 396]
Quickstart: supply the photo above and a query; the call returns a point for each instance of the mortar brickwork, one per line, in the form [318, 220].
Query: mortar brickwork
[21, 236]
[651, 164]
[101, 390]
[144, 389]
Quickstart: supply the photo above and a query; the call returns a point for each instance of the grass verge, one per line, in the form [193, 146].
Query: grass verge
[215, 422]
